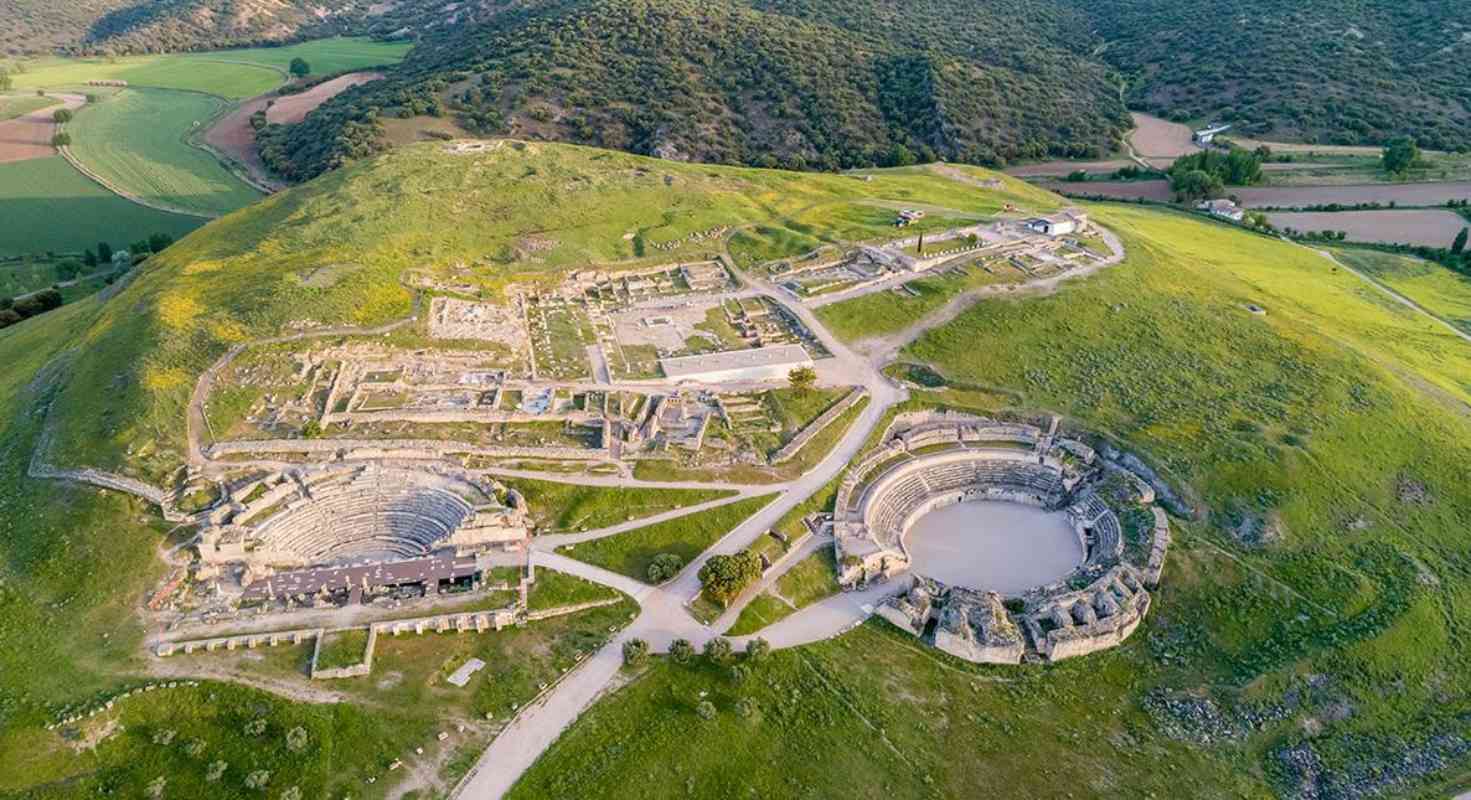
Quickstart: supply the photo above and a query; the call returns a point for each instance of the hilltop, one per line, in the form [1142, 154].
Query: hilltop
[1304, 641]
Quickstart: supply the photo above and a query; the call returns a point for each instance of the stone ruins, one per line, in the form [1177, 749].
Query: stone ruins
[934, 459]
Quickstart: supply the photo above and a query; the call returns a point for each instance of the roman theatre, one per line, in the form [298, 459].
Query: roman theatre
[321, 532]
[1016, 543]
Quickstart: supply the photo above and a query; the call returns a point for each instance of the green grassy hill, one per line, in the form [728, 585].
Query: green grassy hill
[1308, 641]
[1308, 638]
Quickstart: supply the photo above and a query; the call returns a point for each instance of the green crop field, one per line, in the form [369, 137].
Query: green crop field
[13, 106]
[324, 56]
[135, 140]
[50, 207]
[232, 74]
[1440, 291]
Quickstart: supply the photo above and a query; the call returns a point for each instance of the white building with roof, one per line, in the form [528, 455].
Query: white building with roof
[759, 364]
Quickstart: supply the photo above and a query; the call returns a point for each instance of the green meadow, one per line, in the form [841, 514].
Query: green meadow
[1321, 446]
[1313, 608]
[50, 207]
[1441, 291]
[631, 552]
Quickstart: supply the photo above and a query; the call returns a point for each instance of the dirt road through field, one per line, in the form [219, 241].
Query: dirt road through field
[29, 136]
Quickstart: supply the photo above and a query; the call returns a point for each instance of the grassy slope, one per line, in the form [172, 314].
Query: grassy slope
[631, 552]
[240, 278]
[1315, 417]
[232, 74]
[136, 141]
[75, 561]
[38, 193]
[1440, 291]
[560, 506]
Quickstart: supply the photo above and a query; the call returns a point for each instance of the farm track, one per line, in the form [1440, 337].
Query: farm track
[29, 135]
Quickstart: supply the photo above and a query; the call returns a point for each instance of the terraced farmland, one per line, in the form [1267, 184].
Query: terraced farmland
[135, 141]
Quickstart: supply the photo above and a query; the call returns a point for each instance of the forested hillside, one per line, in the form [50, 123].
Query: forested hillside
[801, 83]
[834, 83]
[1331, 71]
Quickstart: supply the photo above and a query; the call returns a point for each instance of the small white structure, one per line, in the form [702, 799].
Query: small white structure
[1225, 209]
[759, 364]
[461, 676]
[1206, 135]
[1070, 220]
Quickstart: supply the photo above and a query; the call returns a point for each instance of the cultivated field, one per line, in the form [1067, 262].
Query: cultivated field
[1431, 227]
[49, 206]
[13, 106]
[28, 135]
[1402, 194]
[292, 108]
[232, 74]
[136, 142]
[1162, 141]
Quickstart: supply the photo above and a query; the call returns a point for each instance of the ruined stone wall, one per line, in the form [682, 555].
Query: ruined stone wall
[818, 426]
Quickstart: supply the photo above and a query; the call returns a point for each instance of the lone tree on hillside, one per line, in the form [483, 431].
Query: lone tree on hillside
[724, 576]
[1459, 245]
[1400, 154]
[802, 379]
[61, 115]
[300, 68]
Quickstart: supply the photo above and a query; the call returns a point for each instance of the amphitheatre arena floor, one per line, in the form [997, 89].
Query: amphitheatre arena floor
[1001, 547]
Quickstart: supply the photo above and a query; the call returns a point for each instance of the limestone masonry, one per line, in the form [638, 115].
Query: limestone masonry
[930, 460]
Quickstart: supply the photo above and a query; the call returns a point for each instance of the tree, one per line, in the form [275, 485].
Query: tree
[61, 139]
[719, 650]
[1459, 245]
[681, 651]
[1196, 184]
[299, 67]
[758, 649]
[158, 241]
[724, 576]
[89, 258]
[706, 710]
[665, 566]
[635, 651]
[67, 270]
[104, 253]
[6, 82]
[8, 317]
[1400, 154]
[802, 379]
[61, 115]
